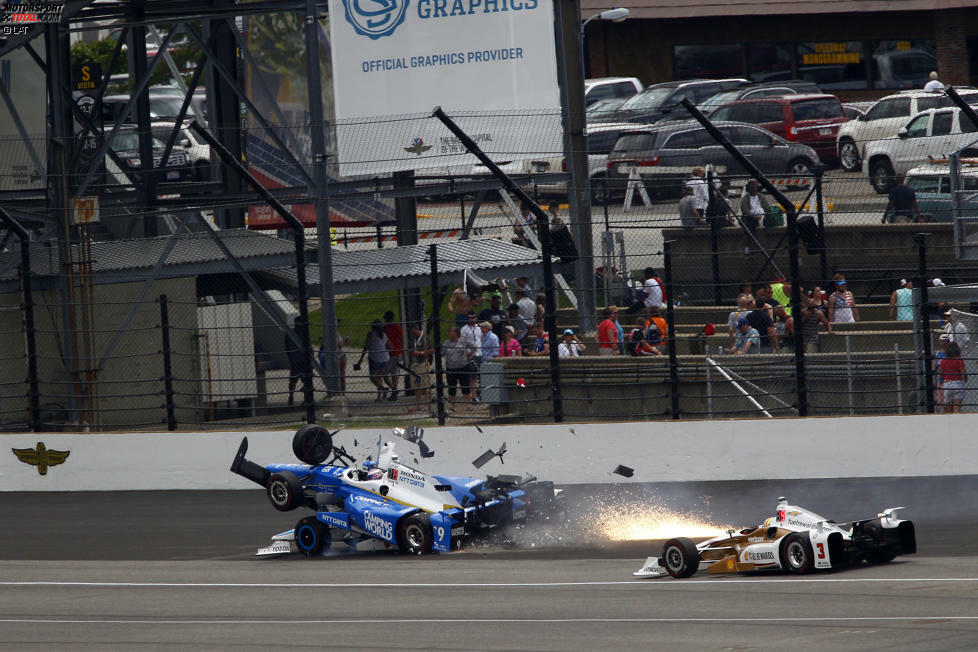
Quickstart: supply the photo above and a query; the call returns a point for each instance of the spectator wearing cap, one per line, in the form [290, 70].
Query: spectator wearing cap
[510, 347]
[570, 347]
[607, 334]
[956, 331]
[842, 305]
[937, 283]
[747, 342]
[901, 301]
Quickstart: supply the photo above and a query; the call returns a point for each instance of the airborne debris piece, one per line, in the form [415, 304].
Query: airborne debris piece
[480, 461]
[624, 471]
[374, 505]
[794, 539]
[425, 451]
[478, 428]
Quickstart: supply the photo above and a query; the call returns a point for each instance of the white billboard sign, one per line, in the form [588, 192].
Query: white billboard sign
[490, 64]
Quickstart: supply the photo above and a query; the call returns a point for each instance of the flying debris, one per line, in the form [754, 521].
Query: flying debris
[478, 428]
[573, 432]
[624, 471]
[425, 451]
[480, 461]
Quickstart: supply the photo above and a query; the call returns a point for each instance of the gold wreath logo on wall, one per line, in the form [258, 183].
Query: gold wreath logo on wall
[41, 457]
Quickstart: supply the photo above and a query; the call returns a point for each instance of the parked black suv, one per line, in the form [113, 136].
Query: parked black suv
[660, 100]
[126, 146]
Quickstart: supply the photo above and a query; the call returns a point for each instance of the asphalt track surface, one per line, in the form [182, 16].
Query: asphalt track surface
[162, 570]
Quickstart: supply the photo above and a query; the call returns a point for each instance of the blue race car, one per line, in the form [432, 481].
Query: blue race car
[386, 501]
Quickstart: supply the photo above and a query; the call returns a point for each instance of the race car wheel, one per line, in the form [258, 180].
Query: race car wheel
[312, 443]
[414, 534]
[680, 557]
[311, 536]
[796, 554]
[848, 155]
[284, 491]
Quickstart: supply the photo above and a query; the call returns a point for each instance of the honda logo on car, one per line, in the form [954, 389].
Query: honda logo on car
[377, 526]
[407, 477]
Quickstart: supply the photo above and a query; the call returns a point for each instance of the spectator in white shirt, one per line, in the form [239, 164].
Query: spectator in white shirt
[570, 347]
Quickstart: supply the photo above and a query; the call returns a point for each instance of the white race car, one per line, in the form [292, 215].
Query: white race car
[794, 539]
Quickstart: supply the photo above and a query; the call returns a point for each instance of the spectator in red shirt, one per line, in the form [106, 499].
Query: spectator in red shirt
[607, 334]
[955, 376]
[395, 339]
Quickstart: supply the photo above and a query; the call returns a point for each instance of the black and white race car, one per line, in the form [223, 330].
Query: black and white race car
[794, 539]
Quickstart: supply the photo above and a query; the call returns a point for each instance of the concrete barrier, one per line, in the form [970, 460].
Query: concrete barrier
[845, 447]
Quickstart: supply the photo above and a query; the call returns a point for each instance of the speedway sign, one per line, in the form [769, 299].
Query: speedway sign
[490, 64]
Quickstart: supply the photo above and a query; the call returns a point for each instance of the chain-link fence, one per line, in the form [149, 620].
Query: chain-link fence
[108, 358]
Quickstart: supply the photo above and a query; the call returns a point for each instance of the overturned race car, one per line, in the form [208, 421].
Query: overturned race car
[386, 502]
[795, 539]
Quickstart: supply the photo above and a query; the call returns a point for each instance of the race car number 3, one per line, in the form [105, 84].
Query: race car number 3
[377, 526]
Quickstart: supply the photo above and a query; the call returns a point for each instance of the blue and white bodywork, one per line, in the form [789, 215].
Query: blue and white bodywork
[385, 503]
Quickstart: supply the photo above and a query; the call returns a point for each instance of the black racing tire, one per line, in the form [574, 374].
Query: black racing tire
[284, 491]
[311, 536]
[881, 175]
[800, 167]
[680, 557]
[880, 556]
[414, 534]
[849, 155]
[797, 556]
[312, 444]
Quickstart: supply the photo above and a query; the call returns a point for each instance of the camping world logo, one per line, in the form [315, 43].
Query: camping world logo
[375, 18]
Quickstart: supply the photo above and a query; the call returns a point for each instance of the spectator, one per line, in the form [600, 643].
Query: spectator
[784, 326]
[781, 292]
[745, 303]
[809, 326]
[649, 338]
[701, 195]
[753, 206]
[471, 336]
[902, 207]
[395, 336]
[523, 285]
[957, 332]
[901, 301]
[561, 239]
[761, 320]
[933, 83]
[541, 343]
[652, 289]
[294, 354]
[527, 306]
[764, 295]
[688, 215]
[619, 329]
[457, 372]
[942, 343]
[510, 346]
[460, 303]
[377, 349]
[570, 347]
[607, 334]
[842, 305]
[657, 330]
[514, 319]
[495, 315]
[747, 341]
[745, 288]
[819, 297]
[955, 376]
[420, 364]
[720, 208]
[489, 342]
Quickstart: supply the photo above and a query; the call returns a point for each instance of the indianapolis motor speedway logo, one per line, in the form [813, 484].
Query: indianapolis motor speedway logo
[375, 18]
[42, 457]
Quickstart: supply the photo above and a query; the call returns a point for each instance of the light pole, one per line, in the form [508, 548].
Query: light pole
[613, 15]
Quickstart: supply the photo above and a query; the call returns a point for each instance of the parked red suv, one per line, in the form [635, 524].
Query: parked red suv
[812, 120]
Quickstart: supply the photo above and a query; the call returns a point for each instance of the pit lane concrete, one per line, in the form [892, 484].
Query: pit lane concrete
[157, 570]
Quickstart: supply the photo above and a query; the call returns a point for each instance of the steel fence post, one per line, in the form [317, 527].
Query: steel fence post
[923, 320]
[671, 335]
[819, 171]
[436, 328]
[171, 421]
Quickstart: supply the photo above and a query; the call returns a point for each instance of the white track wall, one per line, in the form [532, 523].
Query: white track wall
[659, 451]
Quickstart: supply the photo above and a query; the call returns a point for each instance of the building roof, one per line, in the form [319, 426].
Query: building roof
[396, 268]
[705, 8]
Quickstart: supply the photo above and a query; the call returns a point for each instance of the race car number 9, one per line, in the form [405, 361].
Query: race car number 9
[377, 526]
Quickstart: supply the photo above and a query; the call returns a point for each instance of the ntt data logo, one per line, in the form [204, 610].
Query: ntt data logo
[375, 18]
